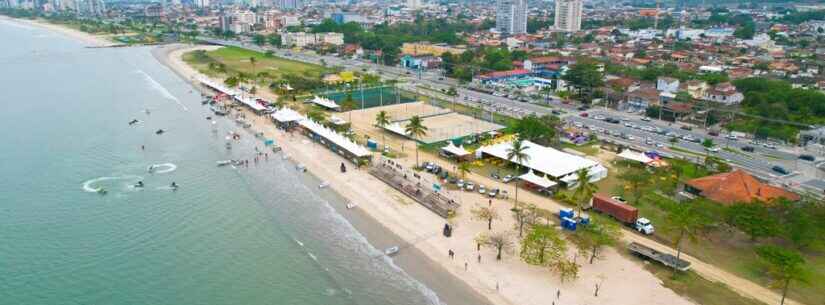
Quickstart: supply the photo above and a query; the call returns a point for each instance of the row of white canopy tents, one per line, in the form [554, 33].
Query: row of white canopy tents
[554, 165]
[249, 101]
[334, 140]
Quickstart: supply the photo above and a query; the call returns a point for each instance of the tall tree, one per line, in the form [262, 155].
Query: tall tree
[464, 168]
[685, 221]
[525, 215]
[585, 76]
[784, 266]
[754, 219]
[487, 214]
[568, 269]
[517, 153]
[584, 189]
[500, 241]
[597, 235]
[636, 179]
[416, 129]
[382, 119]
[542, 246]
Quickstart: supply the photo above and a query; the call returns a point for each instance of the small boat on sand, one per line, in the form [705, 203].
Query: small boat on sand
[391, 251]
[323, 185]
[224, 162]
[351, 205]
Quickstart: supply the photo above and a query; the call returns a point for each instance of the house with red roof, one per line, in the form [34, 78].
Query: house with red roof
[736, 187]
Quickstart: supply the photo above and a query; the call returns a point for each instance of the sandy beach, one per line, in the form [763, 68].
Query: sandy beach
[89, 39]
[509, 281]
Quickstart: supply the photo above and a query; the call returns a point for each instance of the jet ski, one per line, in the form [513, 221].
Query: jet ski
[139, 184]
[160, 131]
[133, 122]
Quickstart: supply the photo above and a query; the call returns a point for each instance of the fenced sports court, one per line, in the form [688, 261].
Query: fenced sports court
[371, 97]
[442, 124]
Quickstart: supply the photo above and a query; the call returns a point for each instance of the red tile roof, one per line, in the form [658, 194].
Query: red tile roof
[497, 74]
[738, 186]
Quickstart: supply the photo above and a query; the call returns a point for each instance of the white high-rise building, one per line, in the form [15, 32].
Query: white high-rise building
[287, 5]
[511, 16]
[569, 15]
[414, 4]
[202, 3]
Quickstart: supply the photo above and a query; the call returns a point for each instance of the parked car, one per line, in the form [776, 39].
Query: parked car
[780, 170]
[807, 158]
[460, 183]
[495, 176]
[747, 148]
[493, 193]
[469, 186]
[646, 119]
[481, 189]
[686, 127]
[507, 178]
[584, 114]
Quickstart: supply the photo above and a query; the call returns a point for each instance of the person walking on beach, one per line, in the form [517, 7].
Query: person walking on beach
[479, 258]
[451, 254]
[465, 266]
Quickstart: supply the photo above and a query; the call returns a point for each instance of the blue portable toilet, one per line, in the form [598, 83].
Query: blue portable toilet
[371, 144]
[584, 219]
[568, 223]
[566, 212]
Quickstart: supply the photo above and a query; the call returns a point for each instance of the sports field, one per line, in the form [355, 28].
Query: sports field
[442, 124]
[372, 97]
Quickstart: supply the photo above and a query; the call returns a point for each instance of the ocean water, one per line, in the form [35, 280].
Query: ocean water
[227, 236]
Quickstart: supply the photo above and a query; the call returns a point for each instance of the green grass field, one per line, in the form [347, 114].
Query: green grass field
[238, 60]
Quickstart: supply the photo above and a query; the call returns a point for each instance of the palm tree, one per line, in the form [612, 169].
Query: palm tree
[518, 153]
[685, 220]
[382, 119]
[252, 61]
[464, 168]
[585, 188]
[416, 129]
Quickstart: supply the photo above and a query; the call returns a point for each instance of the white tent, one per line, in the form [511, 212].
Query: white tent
[457, 151]
[325, 102]
[594, 174]
[554, 163]
[535, 179]
[334, 137]
[285, 115]
[635, 156]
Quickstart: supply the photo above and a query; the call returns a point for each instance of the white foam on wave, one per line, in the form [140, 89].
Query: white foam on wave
[88, 185]
[164, 168]
[312, 256]
[298, 242]
[371, 251]
[160, 88]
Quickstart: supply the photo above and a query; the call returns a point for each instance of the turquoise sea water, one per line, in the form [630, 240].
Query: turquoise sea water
[227, 236]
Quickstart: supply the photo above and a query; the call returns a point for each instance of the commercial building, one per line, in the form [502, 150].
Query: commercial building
[568, 15]
[302, 39]
[426, 48]
[511, 16]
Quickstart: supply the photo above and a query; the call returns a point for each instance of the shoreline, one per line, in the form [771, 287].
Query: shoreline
[448, 288]
[89, 39]
[506, 282]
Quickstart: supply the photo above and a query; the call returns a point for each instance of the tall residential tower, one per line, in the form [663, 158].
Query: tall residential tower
[568, 15]
[511, 16]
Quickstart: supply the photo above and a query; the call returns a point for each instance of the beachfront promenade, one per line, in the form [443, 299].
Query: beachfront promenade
[393, 175]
